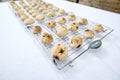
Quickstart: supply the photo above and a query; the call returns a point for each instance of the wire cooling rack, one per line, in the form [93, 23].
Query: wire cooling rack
[73, 53]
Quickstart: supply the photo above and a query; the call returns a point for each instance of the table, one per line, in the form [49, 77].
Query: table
[22, 59]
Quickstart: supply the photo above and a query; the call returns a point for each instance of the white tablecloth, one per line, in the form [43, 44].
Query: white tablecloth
[22, 59]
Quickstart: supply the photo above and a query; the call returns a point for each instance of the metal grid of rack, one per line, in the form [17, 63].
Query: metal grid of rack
[73, 54]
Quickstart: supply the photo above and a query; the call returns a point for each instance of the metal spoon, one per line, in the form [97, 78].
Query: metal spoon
[93, 45]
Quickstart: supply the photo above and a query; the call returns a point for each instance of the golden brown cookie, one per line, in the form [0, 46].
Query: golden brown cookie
[12, 2]
[46, 38]
[61, 31]
[49, 6]
[83, 21]
[23, 17]
[75, 41]
[73, 26]
[45, 11]
[71, 17]
[61, 20]
[62, 11]
[37, 29]
[55, 8]
[28, 8]
[33, 4]
[40, 17]
[59, 52]
[29, 21]
[37, 6]
[51, 14]
[88, 34]
[20, 13]
[31, 11]
[34, 14]
[98, 28]
[40, 9]
[51, 23]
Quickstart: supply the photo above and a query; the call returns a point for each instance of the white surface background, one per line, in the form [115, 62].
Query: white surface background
[22, 59]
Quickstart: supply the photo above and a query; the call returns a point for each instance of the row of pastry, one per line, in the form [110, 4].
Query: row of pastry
[51, 7]
[63, 20]
[62, 31]
[72, 25]
[40, 9]
[39, 17]
[45, 8]
[23, 16]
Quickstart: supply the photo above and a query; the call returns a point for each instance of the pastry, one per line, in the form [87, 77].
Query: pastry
[37, 29]
[31, 11]
[49, 6]
[59, 52]
[45, 11]
[61, 20]
[27, 8]
[62, 11]
[33, 4]
[34, 14]
[83, 21]
[51, 23]
[20, 10]
[21, 2]
[40, 17]
[16, 7]
[37, 6]
[12, 2]
[24, 5]
[51, 14]
[19, 13]
[40, 9]
[88, 34]
[29, 1]
[75, 42]
[46, 5]
[71, 17]
[43, 3]
[39, 1]
[98, 28]
[61, 31]
[23, 17]
[73, 26]
[46, 38]
[29, 21]
[55, 8]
